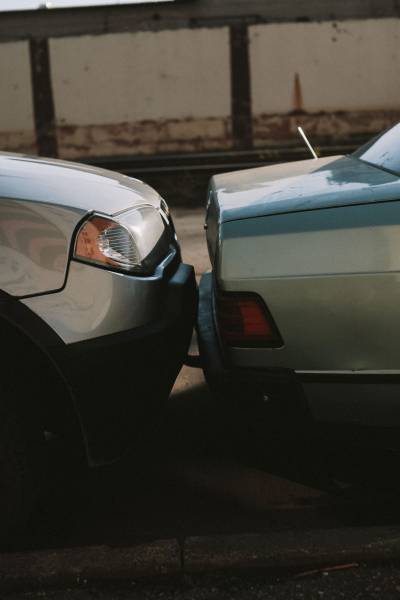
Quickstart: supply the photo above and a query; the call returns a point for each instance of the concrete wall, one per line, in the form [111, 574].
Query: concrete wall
[174, 90]
[339, 79]
[17, 127]
[147, 92]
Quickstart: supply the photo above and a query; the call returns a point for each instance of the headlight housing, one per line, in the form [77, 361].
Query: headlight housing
[134, 241]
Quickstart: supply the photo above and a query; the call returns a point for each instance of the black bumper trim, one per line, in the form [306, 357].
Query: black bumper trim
[120, 381]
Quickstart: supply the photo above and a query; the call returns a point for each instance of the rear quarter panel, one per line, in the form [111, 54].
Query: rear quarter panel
[331, 279]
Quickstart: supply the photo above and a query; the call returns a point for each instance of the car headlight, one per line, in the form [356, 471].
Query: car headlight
[134, 241]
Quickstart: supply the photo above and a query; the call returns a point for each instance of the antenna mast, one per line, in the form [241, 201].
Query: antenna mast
[311, 149]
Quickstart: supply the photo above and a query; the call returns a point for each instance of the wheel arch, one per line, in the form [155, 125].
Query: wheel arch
[30, 347]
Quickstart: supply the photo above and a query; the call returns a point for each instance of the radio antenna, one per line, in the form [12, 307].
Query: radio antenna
[311, 149]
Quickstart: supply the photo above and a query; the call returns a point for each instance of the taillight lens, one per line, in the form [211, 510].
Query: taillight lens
[134, 241]
[245, 321]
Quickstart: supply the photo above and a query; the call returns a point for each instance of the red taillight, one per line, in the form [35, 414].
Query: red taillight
[244, 320]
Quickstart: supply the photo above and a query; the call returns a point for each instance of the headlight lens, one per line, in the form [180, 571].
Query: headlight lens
[135, 241]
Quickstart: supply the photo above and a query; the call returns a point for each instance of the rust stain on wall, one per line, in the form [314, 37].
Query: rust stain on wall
[323, 128]
[18, 141]
[203, 135]
[145, 137]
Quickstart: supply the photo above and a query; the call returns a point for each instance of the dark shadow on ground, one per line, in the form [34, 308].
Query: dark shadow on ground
[204, 469]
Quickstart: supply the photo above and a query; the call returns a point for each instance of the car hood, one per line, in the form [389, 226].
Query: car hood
[299, 186]
[71, 185]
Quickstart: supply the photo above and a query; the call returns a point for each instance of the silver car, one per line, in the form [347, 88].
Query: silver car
[96, 314]
[302, 308]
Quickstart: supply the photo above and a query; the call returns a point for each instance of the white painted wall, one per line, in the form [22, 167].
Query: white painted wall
[128, 77]
[16, 108]
[350, 65]
[169, 91]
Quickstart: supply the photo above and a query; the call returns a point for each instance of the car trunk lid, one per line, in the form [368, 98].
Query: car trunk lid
[299, 186]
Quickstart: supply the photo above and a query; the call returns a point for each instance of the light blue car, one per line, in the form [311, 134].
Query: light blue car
[302, 308]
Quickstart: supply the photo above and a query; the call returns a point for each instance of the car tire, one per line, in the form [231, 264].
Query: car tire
[22, 463]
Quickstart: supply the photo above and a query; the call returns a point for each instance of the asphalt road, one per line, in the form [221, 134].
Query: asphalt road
[353, 581]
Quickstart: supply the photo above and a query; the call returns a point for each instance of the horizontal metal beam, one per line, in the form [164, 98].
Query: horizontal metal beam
[217, 161]
[185, 13]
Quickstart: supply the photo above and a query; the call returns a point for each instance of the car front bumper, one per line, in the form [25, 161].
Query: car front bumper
[96, 302]
[120, 381]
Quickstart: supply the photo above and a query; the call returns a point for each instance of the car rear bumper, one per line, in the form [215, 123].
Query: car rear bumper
[120, 381]
[218, 370]
[352, 398]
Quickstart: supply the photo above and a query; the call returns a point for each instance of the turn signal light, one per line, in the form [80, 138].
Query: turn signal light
[245, 321]
[134, 241]
[106, 242]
